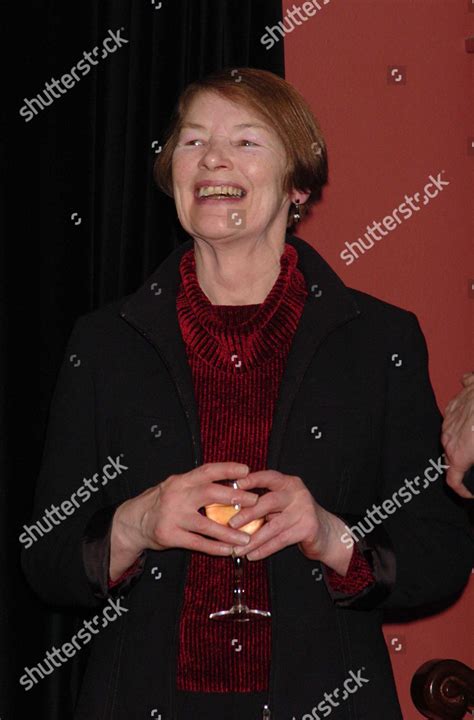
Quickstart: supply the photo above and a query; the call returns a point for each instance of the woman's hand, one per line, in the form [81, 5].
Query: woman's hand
[167, 516]
[458, 436]
[293, 516]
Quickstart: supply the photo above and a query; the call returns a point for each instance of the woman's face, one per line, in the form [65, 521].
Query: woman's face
[224, 144]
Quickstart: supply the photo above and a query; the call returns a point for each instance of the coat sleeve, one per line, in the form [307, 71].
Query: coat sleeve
[96, 545]
[421, 549]
[469, 479]
[66, 509]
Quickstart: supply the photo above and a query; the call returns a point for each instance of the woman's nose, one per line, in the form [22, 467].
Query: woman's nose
[217, 155]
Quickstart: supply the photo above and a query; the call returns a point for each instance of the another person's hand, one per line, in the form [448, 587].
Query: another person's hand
[458, 436]
[293, 517]
[167, 516]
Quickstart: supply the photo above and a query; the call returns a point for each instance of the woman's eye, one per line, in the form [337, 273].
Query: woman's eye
[245, 143]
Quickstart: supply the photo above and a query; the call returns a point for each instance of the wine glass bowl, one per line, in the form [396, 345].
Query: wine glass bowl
[223, 513]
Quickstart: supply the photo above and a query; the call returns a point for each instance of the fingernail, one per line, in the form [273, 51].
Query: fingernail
[243, 468]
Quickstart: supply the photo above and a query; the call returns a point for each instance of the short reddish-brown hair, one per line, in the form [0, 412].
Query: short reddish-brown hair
[283, 109]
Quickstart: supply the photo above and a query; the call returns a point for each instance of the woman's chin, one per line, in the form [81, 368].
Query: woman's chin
[213, 227]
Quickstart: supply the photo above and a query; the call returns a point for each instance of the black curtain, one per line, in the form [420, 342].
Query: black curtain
[86, 226]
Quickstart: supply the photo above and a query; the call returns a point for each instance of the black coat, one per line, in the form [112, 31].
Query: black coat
[356, 416]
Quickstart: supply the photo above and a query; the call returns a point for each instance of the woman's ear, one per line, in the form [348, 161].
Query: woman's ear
[299, 195]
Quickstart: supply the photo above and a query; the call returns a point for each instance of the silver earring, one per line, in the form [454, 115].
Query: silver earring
[296, 213]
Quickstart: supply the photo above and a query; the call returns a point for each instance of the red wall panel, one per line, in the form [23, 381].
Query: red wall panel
[385, 139]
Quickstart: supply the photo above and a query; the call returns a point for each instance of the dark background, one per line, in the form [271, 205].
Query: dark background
[89, 153]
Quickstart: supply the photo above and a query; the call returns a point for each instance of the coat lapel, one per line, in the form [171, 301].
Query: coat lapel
[329, 304]
[152, 312]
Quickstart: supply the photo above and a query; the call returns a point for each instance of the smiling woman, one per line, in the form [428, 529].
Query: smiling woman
[260, 110]
[245, 375]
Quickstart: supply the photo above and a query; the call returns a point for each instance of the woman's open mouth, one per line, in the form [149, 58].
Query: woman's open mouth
[207, 193]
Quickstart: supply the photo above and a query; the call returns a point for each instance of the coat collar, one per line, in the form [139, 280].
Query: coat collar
[152, 312]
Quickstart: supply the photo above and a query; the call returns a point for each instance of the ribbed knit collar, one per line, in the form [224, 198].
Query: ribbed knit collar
[236, 338]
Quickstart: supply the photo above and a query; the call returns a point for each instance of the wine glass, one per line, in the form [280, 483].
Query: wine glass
[239, 611]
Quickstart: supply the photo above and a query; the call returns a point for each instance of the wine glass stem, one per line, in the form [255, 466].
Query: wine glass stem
[238, 572]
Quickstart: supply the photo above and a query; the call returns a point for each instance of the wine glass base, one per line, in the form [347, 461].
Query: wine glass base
[240, 613]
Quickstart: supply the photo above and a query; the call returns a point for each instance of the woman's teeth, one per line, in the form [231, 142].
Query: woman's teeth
[220, 191]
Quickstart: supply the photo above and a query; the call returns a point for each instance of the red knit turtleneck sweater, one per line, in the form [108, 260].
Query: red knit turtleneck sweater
[237, 355]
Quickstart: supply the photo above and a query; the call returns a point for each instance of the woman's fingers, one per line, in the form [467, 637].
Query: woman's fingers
[274, 545]
[224, 495]
[284, 490]
[454, 478]
[174, 512]
[210, 472]
[265, 533]
[225, 534]
[198, 543]
[452, 404]
[271, 502]
[270, 479]
[288, 507]
[273, 536]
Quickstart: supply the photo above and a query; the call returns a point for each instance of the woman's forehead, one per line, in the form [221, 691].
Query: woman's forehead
[201, 112]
